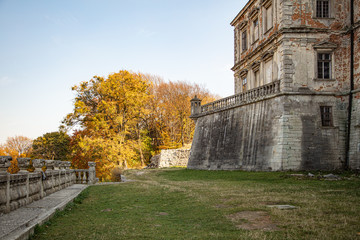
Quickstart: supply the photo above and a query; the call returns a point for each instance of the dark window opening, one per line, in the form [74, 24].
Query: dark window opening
[324, 66]
[322, 8]
[244, 41]
[326, 116]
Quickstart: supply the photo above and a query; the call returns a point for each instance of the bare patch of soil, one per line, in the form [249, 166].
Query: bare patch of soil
[253, 220]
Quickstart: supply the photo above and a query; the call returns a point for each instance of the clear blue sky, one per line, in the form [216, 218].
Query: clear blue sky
[47, 46]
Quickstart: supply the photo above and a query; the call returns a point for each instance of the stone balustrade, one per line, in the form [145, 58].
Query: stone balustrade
[22, 188]
[247, 97]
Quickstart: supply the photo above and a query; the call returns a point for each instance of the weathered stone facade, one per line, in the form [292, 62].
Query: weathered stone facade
[296, 75]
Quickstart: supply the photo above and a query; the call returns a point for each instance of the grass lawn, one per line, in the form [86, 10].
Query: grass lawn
[189, 204]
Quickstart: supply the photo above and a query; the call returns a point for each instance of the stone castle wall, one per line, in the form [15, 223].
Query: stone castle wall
[274, 134]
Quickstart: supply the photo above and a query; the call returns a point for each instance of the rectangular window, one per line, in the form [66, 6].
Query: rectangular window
[268, 18]
[255, 30]
[244, 82]
[257, 78]
[326, 116]
[324, 66]
[322, 8]
[244, 41]
[268, 71]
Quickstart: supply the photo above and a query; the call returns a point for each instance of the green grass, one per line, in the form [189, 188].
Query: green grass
[190, 204]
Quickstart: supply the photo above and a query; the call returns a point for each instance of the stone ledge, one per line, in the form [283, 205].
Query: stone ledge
[15, 226]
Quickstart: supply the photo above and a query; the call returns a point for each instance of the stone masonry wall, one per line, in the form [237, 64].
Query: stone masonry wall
[275, 134]
[171, 158]
[174, 157]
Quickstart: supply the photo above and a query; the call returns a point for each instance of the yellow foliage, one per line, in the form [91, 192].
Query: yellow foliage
[14, 167]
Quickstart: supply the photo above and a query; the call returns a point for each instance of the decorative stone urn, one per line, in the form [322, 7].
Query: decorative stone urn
[38, 164]
[23, 164]
[50, 164]
[66, 164]
[57, 164]
[5, 162]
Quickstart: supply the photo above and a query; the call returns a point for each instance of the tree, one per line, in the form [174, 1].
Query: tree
[54, 145]
[168, 120]
[108, 112]
[18, 146]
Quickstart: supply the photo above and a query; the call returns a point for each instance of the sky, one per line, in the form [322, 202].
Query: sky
[48, 46]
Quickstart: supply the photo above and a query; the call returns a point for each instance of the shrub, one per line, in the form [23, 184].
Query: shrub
[14, 167]
[31, 168]
[116, 174]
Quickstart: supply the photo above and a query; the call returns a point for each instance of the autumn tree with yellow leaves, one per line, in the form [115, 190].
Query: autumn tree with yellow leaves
[124, 119]
[16, 147]
[168, 120]
[108, 112]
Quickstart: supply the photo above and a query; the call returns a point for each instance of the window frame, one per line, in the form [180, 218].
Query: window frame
[244, 80]
[320, 13]
[324, 48]
[322, 63]
[331, 10]
[266, 5]
[326, 115]
[255, 29]
[244, 40]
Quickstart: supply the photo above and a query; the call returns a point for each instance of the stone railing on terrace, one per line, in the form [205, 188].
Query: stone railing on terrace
[24, 187]
[249, 96]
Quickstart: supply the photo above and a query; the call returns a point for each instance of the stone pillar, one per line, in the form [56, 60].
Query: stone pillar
[8, 193]
[92, 172]
[27, 187]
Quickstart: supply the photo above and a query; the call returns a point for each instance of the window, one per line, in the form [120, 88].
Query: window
[244, 83]
[322, 8]
[243, 77]
[326, 116]
[255, 30]
[268, 71]
[255, 67]
[268, 16]
[257, 78]
[244, 41]
[324, 65]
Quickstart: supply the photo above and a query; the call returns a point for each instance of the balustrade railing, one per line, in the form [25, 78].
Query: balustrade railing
[242, 98]
[46, 177]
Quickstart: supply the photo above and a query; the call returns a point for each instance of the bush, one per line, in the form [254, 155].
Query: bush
[116, 174]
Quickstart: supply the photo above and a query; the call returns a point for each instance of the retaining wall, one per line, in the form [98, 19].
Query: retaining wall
[279, 133]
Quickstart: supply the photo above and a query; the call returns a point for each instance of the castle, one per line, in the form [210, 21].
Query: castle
[297, 91]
